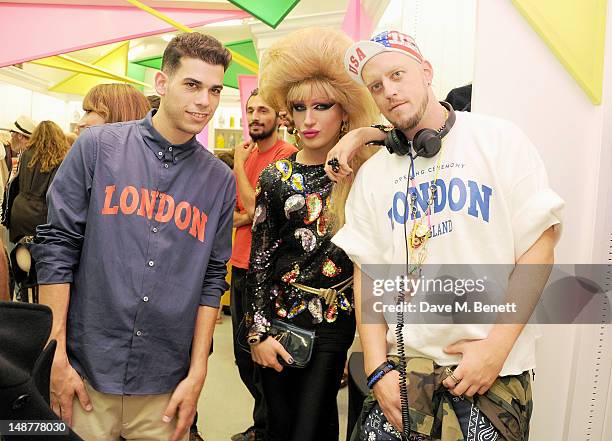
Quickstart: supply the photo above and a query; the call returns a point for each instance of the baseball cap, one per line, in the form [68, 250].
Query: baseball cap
[24, 125]
[361, 52]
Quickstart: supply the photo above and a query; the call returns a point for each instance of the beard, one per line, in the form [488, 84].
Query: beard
[414, 120]
[261, 135]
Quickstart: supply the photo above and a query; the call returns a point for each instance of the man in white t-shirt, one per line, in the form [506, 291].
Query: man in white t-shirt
[491, 205]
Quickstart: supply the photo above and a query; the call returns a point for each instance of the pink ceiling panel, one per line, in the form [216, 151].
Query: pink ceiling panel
[43, 30]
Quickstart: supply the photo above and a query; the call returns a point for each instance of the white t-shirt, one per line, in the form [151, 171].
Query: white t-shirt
[493, 202]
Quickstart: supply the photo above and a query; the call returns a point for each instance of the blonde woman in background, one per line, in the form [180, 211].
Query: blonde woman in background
[45, 152]
[70, 137]
[297, 211]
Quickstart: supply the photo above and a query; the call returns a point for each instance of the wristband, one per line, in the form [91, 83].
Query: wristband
[380, 372]
[382, 128]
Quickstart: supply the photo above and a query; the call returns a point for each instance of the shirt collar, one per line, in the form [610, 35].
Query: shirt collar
[160, 146]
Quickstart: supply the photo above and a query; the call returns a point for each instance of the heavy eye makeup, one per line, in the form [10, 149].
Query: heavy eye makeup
[322, 106]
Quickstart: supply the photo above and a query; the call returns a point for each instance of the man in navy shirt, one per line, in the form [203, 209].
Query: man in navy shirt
[133, 258]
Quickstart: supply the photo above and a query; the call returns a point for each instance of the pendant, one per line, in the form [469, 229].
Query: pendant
[419, 235]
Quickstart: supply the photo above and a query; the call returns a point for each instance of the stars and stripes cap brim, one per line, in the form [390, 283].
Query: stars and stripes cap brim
[388, 41]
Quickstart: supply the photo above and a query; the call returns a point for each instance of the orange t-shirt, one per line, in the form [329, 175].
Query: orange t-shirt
[253, 167]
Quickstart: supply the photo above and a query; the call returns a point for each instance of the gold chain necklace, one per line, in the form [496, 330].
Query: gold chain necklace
[420, 233]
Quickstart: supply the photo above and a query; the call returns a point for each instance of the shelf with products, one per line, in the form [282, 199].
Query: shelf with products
[227, 138]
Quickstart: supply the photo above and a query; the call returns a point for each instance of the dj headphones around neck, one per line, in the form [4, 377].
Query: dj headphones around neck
[426, 142]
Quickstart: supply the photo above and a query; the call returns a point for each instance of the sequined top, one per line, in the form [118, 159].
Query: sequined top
[292, 243]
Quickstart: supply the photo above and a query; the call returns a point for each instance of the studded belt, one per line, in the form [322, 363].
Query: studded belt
[327, 294]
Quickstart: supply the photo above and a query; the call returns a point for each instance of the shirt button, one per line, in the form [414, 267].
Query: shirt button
[160, 153]
[165, 165]
[138, 333]
[170, 148]
[145, 299]
[154, 229]
[151, 263]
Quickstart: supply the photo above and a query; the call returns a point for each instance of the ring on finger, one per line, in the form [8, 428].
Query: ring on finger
[451, 374]
[334, 164]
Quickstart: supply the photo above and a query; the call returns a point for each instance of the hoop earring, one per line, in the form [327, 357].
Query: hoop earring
[296, 137]
[343, 128]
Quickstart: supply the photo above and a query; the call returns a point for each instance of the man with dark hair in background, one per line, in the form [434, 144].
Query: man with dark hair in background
[250, 159]
[133, 258]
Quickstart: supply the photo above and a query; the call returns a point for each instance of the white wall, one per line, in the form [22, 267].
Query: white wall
[16, 101]
[517, 77]
[444, 31]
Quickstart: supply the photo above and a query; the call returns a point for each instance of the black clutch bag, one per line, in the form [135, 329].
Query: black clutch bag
[297, 341]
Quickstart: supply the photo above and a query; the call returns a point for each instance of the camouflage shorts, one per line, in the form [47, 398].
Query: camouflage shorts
[504, 411]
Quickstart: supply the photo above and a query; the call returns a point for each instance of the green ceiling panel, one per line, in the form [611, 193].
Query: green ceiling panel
[243, 47]
[271, 12]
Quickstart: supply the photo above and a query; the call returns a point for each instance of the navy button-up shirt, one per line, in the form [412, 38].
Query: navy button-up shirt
[142, 230]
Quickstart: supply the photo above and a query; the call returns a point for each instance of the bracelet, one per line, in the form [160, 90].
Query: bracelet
[380, 372]
[382, 127]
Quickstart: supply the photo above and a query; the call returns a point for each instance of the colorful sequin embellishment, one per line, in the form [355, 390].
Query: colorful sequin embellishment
[322, 220]
[330, 269]
[314, 204]
[294, 203]
[280, 309]
[257, 189]
[259, 215]
[307, 237]
[297, 182]
[292, 275]
[316, 310]
[322, 225]
[285, 167]
[331, 314]
[297, 308]
[344, 303]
